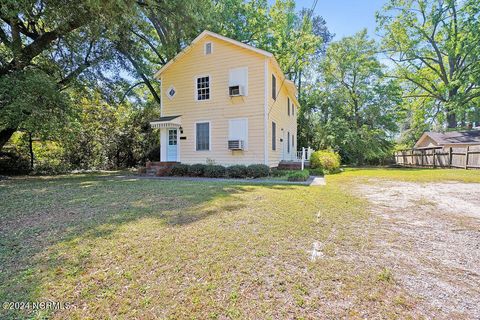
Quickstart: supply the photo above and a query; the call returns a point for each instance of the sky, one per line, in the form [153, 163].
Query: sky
[345, 17]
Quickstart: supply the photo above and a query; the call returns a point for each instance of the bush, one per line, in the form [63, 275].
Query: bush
[237, 171]
[275, 172]
[258, 170]
[299, 175]
[328, 160]
[179, 169]
[196, 170]
[214, 171]
[316, 172]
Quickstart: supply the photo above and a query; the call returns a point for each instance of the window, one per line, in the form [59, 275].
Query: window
[203, 88]
[293, 109]
[288, 106]
[274, 136]
[238, 130]
[202, 136]
[288, 142]
[293, 142]
[171, 92]
[208, 48]
[274, 87]
[238, 78]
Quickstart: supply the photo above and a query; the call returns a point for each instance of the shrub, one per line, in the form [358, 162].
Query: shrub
[299, 175]
[275, 172]
[214, 171]
[196, 170]
[316, 172]
[258, 170]
[237, 171]
[180, 169]
[328, 160]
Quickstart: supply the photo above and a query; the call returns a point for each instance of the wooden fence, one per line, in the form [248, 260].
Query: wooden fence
[465, 158]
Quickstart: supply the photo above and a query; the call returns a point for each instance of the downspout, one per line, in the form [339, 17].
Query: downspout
[161, 115]
[265, 113]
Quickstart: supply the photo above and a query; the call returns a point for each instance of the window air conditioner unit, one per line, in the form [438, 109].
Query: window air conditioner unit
[235, 145]
[236, 91]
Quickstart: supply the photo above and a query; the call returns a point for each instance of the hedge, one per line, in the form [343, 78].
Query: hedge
[237, 171]
[214, 171]
[197, 170]
[258, 170]
[299, 175]
[179, 169]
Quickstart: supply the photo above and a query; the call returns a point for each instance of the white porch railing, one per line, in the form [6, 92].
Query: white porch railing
[299, 156]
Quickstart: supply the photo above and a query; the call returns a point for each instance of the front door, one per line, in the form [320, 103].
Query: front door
[172, 145]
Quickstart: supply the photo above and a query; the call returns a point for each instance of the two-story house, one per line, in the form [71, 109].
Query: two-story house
[226, 102]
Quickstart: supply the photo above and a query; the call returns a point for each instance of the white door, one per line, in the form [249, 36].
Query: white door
[172, 145]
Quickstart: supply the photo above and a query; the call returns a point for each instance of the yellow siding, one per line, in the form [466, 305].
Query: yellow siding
[278, 113]
[221, 107]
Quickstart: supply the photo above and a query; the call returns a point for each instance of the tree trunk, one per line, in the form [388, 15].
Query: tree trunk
[5, 135]
[30, 147]
[451, 120]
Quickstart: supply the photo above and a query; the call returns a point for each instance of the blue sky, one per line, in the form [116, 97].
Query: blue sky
[345, 17]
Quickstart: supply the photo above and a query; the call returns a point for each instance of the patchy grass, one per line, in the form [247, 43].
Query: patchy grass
[411, 174]
[138, 248]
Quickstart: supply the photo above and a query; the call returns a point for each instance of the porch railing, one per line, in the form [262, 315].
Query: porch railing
[299, 156]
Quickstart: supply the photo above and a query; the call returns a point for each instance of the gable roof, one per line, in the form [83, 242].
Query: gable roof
[214, 35]
[290, 85]
[452, 137]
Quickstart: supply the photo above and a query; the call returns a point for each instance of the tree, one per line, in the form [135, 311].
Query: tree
[44, 48]
[353, 106]
[434, 45]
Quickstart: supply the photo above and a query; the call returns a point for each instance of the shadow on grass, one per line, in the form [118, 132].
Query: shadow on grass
[38, 214]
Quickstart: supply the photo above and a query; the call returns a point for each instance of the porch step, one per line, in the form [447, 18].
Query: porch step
[158, 168]
[151, 172]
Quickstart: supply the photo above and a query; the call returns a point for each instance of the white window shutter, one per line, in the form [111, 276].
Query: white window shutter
[239, 77]
[238, 130]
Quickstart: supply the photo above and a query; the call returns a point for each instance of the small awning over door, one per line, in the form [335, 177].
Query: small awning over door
[167, 122]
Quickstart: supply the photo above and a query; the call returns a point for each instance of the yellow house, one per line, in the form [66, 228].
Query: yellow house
[226, 102]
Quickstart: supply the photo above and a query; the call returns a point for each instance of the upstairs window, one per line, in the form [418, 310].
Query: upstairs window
[274, 87]
[208, 48]
[293, 109]
[238, 81]
[288, 106]
[203, 88]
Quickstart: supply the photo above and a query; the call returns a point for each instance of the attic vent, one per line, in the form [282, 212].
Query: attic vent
[208, 48]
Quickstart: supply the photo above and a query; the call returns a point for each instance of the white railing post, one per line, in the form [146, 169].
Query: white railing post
[303, 158]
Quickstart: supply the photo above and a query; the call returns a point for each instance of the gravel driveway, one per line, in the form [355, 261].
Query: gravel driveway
[428, 234]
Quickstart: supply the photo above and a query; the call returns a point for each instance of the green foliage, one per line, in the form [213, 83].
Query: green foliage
[301, 175]
[355, 107]
[214, 171]
[237, 171]
[316, 171]
[196, 170]
[180, 169]
[275, 172]
[327, 160]
[434, 46]
[258, 170]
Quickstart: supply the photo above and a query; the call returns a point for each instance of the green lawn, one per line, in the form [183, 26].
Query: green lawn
[139, 248]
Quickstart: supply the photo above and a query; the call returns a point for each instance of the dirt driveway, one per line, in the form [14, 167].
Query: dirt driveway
[428, 234]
